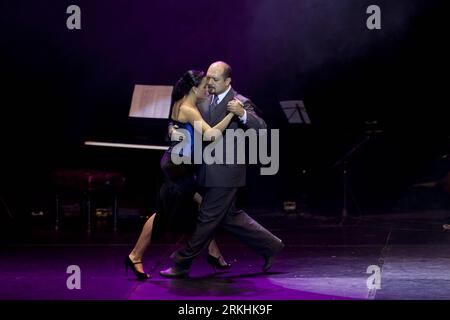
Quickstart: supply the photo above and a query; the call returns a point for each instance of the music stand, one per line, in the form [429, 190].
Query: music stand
[295, 112]
[5, 206]
[370, 132]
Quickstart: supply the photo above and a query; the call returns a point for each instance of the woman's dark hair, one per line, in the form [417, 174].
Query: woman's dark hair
[191, 78]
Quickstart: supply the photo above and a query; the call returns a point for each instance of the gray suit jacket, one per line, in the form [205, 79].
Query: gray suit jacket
[227, 175]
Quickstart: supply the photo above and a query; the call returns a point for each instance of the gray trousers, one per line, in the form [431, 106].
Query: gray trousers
[218, 211]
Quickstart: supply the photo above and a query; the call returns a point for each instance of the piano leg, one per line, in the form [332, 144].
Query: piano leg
[115, 211]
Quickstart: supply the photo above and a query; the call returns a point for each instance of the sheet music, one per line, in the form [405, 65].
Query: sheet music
[150, 102]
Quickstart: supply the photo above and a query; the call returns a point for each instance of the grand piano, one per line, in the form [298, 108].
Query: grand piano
[146, 127]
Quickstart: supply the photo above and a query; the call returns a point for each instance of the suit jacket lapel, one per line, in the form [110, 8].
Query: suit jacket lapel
[220, 110]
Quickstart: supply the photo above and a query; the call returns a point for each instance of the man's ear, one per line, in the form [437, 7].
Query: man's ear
[227, 81]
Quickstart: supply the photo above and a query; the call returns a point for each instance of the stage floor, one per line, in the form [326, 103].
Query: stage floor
[322, 260]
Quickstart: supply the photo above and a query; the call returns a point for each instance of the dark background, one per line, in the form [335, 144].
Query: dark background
[61, 87]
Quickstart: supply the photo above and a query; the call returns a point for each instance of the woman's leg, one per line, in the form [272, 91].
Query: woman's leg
[213, 250]
[142, 243]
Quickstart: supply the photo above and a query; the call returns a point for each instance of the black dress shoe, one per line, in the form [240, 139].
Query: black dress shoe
[174, 272]
[268, 260]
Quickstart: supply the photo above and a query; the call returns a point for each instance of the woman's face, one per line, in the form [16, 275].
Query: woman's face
[201, 90]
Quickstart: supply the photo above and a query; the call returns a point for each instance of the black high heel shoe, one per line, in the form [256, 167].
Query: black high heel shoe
[130, 264]
[217, 263]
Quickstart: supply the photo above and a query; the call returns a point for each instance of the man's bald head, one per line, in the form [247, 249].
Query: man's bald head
[224, 67]
[219, 77]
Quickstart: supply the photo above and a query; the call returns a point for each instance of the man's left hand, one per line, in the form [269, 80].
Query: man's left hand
[237, 107]
[175, 135]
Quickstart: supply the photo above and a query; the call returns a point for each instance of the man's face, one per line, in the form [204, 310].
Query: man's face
[216, 82]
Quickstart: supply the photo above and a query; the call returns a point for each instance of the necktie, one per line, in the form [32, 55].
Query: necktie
[214, 102]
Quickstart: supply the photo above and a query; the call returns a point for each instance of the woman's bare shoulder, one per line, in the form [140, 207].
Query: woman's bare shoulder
[188, 112]
[188, 108]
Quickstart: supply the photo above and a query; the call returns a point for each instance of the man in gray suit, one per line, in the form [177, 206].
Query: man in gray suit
[222, 181]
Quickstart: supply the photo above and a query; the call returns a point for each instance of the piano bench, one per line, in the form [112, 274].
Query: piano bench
[87, 182]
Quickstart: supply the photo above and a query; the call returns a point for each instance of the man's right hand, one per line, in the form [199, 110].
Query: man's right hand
[175, 135]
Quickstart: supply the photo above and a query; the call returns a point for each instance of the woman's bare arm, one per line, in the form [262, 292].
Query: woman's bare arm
[192, 115]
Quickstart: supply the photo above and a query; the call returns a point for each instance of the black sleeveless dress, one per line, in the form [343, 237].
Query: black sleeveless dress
[176, 211]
